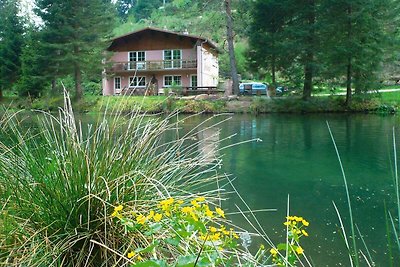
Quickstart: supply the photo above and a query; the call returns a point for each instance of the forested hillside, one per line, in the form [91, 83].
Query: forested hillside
[298, 44]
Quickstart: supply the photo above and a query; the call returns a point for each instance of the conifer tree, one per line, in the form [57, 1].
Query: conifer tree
[74, 36]
[11, 42]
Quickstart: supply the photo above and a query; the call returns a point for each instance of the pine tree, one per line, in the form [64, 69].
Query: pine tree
[11, 42]
[266, 49]
[74, 36]
[356, 39]
[33, 78]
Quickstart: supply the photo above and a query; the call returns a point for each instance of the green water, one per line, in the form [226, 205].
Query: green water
[297, 158]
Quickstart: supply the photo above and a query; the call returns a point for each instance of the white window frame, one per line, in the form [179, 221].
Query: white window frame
[173, 63]
[138, 63]
[191, 80]
[173, 79]
[115, 83]
[136, 81]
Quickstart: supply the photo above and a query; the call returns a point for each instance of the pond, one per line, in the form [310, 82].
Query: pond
[296, 158]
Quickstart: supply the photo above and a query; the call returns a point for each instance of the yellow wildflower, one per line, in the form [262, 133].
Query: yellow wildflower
[305, 223]
[194, 216]
[187, 210]
[286, 223]
[195, 204]
[215, 236]
[209, 213]
[180, 201]
[157, 217]
[151, 214]
[200, 199]
[118, 208]
[273, 252]
[166, 203]
[213, 229]
[131, 254]
[304, 233]
[140, 219]
[299, 250]
[220, 212]
[139, 258]
[299, 219]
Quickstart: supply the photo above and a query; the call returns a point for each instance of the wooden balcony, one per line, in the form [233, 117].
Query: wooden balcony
[158, 65]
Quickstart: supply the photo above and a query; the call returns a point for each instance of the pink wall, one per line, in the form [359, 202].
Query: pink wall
[108, 83]
[187, 54]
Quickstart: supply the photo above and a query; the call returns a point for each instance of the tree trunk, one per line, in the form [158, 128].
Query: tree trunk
[309, 57]
[231, 48]
[53, 86]
[273, 71]
[348, 82]
[78, 83]
[349, 59]
[308, 79]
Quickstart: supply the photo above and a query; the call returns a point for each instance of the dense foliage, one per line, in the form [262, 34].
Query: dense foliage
[294, 43]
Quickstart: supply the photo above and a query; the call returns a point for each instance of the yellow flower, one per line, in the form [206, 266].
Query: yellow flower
[140, 219]
[139, 258]
[299, 250]
[220, 212]
[151, 214]
[187, 210]
[195, 204]
[286, 223]
[200, 199]
[213, 229]
[215, 236]
[273, 251]
[118, 208]
[194, 216]
[166, 203]
[131, 254]
[304, 233]
[157, 217]
[305, 223]
[180, 202]
[299, 219]
[209, 213]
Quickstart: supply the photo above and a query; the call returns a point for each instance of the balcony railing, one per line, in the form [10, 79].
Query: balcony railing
[153, 65]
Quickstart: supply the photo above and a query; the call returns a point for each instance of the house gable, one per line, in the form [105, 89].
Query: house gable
[156, 39]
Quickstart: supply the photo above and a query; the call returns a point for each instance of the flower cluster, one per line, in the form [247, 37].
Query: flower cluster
[180, 223]
[289, 253]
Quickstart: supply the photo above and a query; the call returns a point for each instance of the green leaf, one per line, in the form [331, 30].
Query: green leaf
[149, 248]
[186, 261]
[150, 263]
[173, 241]
[282, 246]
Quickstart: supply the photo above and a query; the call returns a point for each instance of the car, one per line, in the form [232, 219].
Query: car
[253, 88]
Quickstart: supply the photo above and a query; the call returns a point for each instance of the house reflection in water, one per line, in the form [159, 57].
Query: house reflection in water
[208, 140]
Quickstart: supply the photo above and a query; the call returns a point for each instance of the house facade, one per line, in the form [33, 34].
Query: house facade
[151, 60]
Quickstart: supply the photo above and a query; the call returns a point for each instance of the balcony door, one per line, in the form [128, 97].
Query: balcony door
[172, 59]
[137, 60]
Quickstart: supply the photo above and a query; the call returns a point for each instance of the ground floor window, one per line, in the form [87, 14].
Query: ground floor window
[137, 81]
[193, 80]
[117, 83]
[172, 80]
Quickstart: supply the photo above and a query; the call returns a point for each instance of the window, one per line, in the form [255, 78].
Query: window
[172, 59]
[137, 60]
[137, 81]
[117, 83]
[172, 81]
[193, 80]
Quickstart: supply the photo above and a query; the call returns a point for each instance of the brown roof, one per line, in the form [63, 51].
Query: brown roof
[193, 37]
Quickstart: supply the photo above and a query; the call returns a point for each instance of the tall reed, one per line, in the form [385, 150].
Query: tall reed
[60, 181]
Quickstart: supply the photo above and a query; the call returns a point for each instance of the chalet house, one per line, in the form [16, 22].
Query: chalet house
[151, 60]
